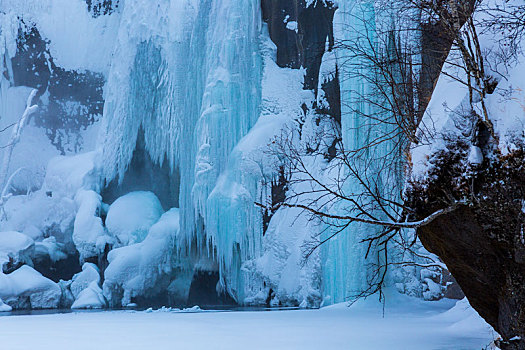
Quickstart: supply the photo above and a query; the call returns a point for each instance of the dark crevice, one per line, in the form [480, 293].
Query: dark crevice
[144, 174]
[203, 290]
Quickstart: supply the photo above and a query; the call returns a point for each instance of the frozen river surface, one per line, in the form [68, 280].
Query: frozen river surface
[406, 324]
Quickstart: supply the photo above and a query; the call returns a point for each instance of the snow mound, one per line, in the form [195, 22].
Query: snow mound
[131, 216]
[144, 268]
[15, 248]
[463, 319]
[90, 298]
[90, 273]
[27, 283]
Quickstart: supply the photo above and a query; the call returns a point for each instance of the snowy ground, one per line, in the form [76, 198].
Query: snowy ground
[408, 324]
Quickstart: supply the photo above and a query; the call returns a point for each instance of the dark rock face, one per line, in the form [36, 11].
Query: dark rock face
[300, 34]
[279, 188]
[73, 99]
[482, 244]
[59, 270]
[102, 7]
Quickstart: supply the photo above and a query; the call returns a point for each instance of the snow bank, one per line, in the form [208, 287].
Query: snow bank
[144, 268]
[53, 209]
[464, 319]
[38, 213]
[131, 216]
[15, 248]
[27, 288]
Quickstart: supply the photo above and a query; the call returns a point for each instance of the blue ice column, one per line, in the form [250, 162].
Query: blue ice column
[346, 272]
[230, 107]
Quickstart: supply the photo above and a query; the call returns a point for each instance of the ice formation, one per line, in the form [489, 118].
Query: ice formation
[89, 234]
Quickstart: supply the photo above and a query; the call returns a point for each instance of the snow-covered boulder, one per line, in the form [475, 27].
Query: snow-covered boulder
[89, 234]
[90, 298]
[15, 248]
[38, 214]
[65, 175]
[144, 268]
[27, 284]
[90, 273]
[131, 216]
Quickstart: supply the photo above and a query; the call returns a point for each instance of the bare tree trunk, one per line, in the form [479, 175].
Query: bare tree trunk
[15, 137]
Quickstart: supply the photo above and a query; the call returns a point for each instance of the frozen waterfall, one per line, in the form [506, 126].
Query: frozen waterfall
[193, 96]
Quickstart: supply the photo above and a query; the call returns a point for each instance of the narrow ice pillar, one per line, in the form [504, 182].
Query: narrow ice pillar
[345, 270]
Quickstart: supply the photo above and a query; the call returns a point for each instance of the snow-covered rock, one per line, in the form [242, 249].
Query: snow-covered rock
[90, 298]
[143, 268]
[90, 273]
[39, 213]
[27, 284]
[15, 248]
[89, 234]
[66, 175]
[475, 156]
[50, 248]
[4, 307]
[131, 216]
